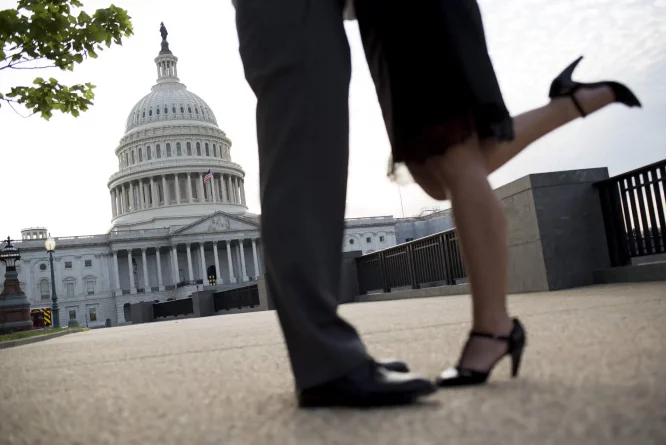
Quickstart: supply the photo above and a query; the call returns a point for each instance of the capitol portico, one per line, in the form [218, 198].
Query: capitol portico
[179, 219]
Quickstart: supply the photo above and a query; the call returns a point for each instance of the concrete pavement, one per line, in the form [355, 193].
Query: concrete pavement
[594, 372]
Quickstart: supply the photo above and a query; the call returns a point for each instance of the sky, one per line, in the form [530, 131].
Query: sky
[55, 173]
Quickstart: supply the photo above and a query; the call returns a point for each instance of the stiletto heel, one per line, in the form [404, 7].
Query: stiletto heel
[460, 376]
[516, 357]
[564, 86]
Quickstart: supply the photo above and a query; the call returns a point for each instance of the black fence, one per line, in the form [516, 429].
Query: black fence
[238, 298]
[435, 260]
[633, 210]
[173, 308]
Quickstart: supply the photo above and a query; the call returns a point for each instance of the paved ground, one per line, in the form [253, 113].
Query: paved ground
[594, 373]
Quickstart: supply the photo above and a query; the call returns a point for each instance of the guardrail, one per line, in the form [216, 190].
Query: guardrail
[633, 206]
[173, 308]
[237, 298]
[430, 261]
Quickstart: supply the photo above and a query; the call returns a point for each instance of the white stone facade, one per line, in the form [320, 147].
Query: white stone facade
[173, 230]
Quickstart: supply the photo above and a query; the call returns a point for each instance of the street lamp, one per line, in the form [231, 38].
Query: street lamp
[50, 248]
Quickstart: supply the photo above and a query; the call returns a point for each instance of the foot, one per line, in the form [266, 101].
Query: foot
[481, 353]
[597, 94]
[369, 385]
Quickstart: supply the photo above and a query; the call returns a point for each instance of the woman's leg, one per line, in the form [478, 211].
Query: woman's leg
[528, 127]
[534, 124]
[481, 227]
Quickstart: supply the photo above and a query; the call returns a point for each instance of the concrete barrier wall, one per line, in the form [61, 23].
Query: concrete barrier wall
[556, 235]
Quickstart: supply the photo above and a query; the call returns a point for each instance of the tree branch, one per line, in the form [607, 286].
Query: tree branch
[9, 101]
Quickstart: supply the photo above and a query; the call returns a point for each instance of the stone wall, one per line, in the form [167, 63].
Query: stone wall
[556, 232]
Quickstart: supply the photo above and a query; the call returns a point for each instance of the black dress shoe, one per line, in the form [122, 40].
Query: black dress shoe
[393, 365]
[369, 385]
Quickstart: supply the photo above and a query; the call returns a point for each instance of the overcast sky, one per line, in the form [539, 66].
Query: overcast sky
[55, 173]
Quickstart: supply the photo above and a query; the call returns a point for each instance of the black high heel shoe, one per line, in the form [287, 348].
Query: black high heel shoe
[564, 86]
[460, 376]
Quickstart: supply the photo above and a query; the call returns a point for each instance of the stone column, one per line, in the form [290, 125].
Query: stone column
[139, 196]
[232, 279]
[242, 191]
[132, 205]
[223, 186]
[152, 193]
[218, 275]
[230, 190]
[254, 257]
[165, 192]
[113, 203]
[116, 271]
[242, 255]
[213, 187]
[146, 280]
[189, 189]
[202, 198]
[204, 274]
[174, 264]
[160, 281]
[131, 271]
[177, 183]
[142, 195]
[189, 262]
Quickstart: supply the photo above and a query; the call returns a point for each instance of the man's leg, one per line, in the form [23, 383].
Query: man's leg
[296, 59]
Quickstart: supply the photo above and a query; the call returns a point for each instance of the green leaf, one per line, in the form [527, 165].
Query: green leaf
[61, 32]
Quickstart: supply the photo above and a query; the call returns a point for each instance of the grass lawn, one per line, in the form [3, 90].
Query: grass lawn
[35, 333]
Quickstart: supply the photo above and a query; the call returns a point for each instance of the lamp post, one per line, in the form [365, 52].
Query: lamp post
[50, 245]
[14, 305]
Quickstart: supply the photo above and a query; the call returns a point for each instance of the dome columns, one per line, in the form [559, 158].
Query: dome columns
[176, 189]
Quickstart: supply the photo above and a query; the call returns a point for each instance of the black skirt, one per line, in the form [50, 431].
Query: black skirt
[434, 79]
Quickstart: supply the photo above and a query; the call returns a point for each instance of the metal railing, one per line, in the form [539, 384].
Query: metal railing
[238, 298]
[431, 261]
[633, 206]
[173, 308]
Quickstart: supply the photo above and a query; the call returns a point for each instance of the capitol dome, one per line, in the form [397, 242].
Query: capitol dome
[174, 162]
[169, 102]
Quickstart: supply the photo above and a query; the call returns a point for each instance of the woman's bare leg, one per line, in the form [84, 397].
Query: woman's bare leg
[534, 124]
[481, 228]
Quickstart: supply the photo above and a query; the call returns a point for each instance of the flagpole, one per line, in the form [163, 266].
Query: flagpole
[401, 206]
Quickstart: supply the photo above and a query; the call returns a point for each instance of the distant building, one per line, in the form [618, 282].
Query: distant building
[179, 218]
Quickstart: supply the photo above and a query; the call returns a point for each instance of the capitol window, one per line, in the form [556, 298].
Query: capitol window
[166, 110]
[207, 150]
[44, 289]
[90, 287]
[144, 113]
[68, 264]
[158, 111]
[189, 110]
[173, 110]
[178, 150]
[149, 154]
[70, 289]
[140, 154]
[214, 150]
[168, 150]
[189, 149]
[196, 110]
[198, 149]
[132, 156]
[158, 151]
[182, 110]
[150, 112]
[351, 241]
[126, 160]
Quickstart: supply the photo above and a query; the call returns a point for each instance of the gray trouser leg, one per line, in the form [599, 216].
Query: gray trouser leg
[296, 59]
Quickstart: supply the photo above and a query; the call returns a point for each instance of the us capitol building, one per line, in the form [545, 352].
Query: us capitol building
[173, 230]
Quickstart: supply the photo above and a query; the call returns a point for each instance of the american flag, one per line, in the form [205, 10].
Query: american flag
[208, 176]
